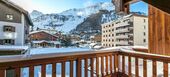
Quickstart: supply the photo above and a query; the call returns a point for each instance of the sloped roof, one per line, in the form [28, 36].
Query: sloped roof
[33, 32]
[26, 14]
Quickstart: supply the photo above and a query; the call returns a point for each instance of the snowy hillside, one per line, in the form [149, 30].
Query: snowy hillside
[67, 20]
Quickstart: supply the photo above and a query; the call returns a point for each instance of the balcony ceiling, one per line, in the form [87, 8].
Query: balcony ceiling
[160, 4]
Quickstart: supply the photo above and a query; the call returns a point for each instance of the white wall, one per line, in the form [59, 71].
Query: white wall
[18, 35]
[139, 30]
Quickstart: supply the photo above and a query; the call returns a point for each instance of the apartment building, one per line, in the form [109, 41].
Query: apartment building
[130, 30]
[14, 24]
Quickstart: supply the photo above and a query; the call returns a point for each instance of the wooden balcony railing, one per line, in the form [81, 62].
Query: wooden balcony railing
[87, 64]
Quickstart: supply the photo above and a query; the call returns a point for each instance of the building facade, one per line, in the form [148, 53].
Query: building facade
[44, 39]
[130, 30]
[14, 24]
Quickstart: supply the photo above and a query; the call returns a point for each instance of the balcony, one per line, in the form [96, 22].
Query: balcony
[108, 63]
[9, 35]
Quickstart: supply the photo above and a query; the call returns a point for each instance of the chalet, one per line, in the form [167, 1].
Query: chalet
[43, 38]
[14, 24]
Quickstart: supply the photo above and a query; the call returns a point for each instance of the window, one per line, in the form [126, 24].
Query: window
[9, 17]
[9, 29]
[144, 40]
[144, 33]
[144, 20]
[144, 27]
[9, 42]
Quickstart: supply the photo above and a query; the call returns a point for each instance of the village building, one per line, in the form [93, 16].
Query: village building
[44, 39]
[14, 24]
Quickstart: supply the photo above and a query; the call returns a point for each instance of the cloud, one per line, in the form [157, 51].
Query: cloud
[25, 4]
[88, 3]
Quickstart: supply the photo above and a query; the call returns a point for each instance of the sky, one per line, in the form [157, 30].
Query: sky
[57, 6]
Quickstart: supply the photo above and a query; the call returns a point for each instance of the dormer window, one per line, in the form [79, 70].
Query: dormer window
[9, 29]
[9, 17]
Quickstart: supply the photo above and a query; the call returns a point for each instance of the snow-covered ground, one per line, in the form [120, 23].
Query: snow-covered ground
[57, 50]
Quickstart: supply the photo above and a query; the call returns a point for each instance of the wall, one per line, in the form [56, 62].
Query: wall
[139, 30]
[5, 9]
[159, 31]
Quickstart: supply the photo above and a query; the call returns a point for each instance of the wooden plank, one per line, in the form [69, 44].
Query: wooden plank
[86, 68]
[92, 67]
[116, 63]
[63, 69]
[31, 71]
[129, 66]
[53, 69]
[43, 70]
[71, 68]
[123, 64]
[136, 67]
[111, 64]
[102, 65]
[97, 66]
[78, 66]
[18, 72]
[2, 73]
[165, 69]
[154, 68]
[107, 66]
[144, 68]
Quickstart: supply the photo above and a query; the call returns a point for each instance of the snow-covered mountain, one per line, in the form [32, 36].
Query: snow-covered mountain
[70, 19]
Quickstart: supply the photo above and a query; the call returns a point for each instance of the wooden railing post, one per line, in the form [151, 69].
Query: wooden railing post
[154, 68]
[92, 67]
[71, 68]
[53, 69]
[2, 73]
[116, 61]
[78, 67]
[165, 69]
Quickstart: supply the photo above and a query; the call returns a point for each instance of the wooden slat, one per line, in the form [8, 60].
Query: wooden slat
[136, 67]
[63, 69]
[43, 70]
[71, 68]
[129, 67]
[97, 66]
[31, 71]
[111, 64]
[54, 70]
[123, 64]
[18, 72]
[107, 65]
[78, 66]
[92, 67]
[144, 68]
[102, 65]
[86, 68]
[116, 63]
[165, 69]
[154, 68]
[2, 73]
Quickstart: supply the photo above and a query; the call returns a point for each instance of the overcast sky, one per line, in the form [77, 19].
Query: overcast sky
[57, 6]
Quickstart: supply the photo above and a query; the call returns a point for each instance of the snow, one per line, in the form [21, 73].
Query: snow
[55, 42]
[57, 50]
[11, 47]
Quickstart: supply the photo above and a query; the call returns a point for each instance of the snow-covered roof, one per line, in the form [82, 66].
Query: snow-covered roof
[55, 42]
[33, 32]
[6, 47]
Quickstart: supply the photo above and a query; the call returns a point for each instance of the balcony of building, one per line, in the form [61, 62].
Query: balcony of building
[105, 63]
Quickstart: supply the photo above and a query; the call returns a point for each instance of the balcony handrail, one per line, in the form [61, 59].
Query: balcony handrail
[14, 58]
[106, 58]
